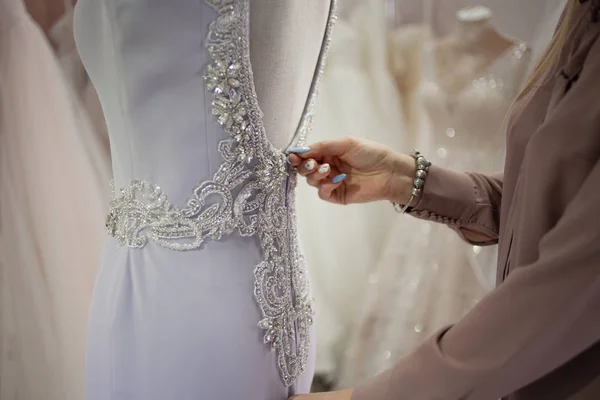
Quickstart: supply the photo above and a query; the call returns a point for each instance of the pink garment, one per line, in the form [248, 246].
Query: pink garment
[63, 40]
[52, 203]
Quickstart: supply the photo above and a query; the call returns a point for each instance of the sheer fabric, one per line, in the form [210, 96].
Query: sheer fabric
[51, 213]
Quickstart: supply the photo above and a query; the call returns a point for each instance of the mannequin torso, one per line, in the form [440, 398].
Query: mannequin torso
[469, 51]
[467, 93]
[285, 39]
[176, 80]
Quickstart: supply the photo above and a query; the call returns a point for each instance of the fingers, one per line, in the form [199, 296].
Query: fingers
[327, 180]
[295, 160]
[327, 188]
[319, 175]
[307, 167]
[326, 148]
[304, 167]
[314, 171]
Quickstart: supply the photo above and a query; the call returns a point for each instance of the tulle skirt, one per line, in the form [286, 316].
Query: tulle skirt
[52, 202]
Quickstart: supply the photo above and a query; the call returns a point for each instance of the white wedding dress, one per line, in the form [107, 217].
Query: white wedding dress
[342, 244]
[428, 277]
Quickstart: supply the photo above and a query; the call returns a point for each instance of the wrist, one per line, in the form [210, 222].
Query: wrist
[402, 175]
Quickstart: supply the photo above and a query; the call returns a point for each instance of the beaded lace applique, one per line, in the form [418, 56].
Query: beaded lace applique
[254, 187]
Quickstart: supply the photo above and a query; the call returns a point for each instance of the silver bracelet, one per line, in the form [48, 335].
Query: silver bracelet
[418, 183]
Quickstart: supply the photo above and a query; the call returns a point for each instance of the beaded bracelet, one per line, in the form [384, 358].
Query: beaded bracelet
[418, 183]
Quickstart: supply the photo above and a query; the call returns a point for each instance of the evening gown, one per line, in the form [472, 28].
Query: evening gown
[202, 291]
[429, 278]
[52, 204]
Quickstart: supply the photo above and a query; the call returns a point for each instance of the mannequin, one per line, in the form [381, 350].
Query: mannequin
[289, 37]
[469, 50]
[171, 126]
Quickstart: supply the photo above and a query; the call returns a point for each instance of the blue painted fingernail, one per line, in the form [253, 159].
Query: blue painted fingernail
[339, 178]
[299, 150]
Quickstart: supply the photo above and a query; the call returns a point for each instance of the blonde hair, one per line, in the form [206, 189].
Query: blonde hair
[552, 53]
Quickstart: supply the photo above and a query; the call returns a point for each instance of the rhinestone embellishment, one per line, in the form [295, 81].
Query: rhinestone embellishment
[254, 188]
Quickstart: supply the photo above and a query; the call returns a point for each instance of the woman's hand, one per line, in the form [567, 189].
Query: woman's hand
[355, 171]
[343, 395]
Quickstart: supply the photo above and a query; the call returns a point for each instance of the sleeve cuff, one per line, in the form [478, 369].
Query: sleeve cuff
[448, 197]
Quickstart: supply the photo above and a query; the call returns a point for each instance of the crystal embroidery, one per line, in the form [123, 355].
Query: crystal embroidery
[254, 188]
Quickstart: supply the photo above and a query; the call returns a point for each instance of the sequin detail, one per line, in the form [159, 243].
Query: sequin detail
[252, 193]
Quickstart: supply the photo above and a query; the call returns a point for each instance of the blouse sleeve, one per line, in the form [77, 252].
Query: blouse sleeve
[542, 316]
[469, 203]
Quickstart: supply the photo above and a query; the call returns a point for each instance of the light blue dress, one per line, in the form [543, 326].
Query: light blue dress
[202, 292]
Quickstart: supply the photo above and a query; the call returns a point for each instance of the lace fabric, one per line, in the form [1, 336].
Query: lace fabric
[254, 191]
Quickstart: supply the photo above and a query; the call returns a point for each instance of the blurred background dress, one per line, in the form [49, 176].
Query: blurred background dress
[358, 98]
[53, 194]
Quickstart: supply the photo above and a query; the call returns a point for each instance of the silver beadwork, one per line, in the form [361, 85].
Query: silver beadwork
[255, 187]
[422, 165]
